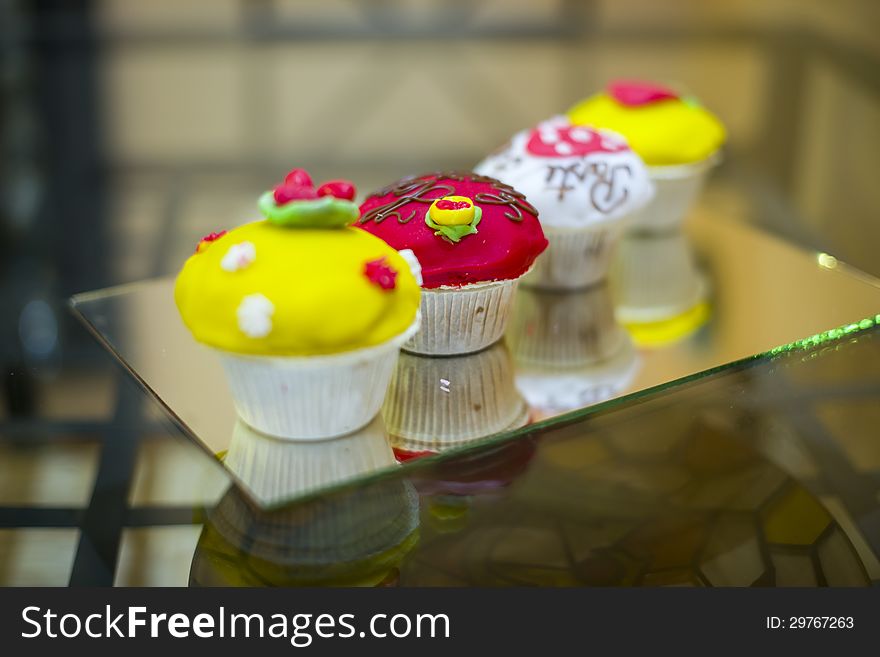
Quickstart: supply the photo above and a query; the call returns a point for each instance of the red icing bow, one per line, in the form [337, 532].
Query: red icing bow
[633, 93]
[298, 186]
[379, 273]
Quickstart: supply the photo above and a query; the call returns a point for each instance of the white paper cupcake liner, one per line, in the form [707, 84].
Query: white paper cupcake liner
[655, 277]
[462, 320]
[676, 188]
[435, 403]
[276, 470]
[312, 397]
[552, 390]
[564, 328]
[576, 257]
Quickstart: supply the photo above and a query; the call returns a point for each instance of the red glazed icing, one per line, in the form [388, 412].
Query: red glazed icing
[633, 93]
[507, 241]
[379, 273]
[569, 141]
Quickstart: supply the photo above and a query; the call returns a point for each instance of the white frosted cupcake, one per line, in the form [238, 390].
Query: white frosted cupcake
[585, 183]
[437, 403]
[474, 237]
[307, 313]
[569, 350]
[678, 138]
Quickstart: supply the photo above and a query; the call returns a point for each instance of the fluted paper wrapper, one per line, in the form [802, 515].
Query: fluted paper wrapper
[343, 528]
[576, 257]
[276, 470]
[438, 403]
[462, 320]
[655, 277]
[676, 188]
[312, 397]
[564, 328]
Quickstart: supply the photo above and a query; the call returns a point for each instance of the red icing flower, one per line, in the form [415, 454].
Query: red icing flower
[207, 239]
[379, 273]
[298, 186]
[634, 93]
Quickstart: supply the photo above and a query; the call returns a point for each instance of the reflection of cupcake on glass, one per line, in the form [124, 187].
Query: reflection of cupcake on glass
[346, 539]
[453, 485]
[474, 237]
[677, 138]
[274, 471]
[660, 294]
[307, 313]
[438, 403]
[585, 183]
[569, 350]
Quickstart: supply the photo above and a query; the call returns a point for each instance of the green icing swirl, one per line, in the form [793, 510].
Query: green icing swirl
[455, 233]
[324, 212]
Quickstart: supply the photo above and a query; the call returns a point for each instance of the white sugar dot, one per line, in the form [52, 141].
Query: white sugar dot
[414, 265]
[239, 256]
[580, 135]
[254, 315]
[564, 148]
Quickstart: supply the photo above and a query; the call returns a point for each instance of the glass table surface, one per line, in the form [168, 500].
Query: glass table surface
[646, 432]
[678, 305]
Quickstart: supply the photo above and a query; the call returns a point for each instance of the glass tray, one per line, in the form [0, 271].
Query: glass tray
[677, 305]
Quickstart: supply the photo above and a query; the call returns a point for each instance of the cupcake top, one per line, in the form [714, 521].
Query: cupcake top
[661, 126]
[463, 227]
[576, 176]
[301, 282]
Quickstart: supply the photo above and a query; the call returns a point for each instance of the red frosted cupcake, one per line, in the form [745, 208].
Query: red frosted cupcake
[474, 238]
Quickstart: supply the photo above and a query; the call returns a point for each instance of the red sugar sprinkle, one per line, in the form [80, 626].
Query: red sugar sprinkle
[210, 237]
[379, 273]
[299, 178]
[286, 192]
[337, 188]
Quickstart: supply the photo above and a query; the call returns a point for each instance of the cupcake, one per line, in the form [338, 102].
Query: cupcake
[569, 350]
[677, 138]
[307, 313]
[585, 183]
[474, 238]
[438, 403]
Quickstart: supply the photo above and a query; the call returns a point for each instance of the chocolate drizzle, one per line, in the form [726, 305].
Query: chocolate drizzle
[609, 189]
[429, 187]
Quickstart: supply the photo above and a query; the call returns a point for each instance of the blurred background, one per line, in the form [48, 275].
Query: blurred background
[130, 129]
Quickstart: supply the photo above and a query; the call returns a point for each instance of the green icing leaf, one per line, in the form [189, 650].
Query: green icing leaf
[324, 212]
[455, 233]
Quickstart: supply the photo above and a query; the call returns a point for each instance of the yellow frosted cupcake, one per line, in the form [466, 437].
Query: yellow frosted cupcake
[675, 136]
[307, 312]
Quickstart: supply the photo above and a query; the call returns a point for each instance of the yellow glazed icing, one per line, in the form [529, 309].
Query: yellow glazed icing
[667, 132]
[269, 290]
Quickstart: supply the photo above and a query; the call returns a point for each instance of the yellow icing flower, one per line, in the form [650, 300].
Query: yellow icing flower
[270, 290]
[662, 128]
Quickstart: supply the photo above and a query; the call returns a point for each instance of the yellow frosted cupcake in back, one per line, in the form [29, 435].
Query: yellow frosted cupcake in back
[678, 138]
[307, 312]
